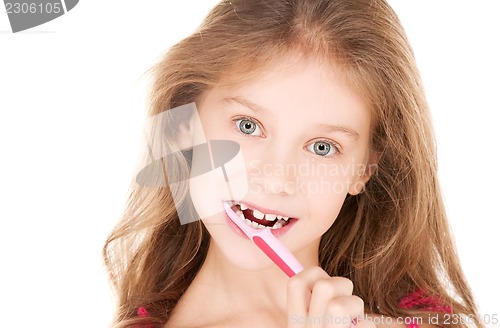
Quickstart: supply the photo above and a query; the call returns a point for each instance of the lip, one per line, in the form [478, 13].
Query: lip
[263, 209]
[234, 227]
[276, 232]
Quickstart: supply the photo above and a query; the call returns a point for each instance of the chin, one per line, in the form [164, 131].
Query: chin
[234, 247]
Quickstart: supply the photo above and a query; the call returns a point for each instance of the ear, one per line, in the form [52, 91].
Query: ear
[365, 173]
[190, 133]
[184, 135]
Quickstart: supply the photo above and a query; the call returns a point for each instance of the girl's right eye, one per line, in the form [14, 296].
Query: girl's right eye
[248, 126]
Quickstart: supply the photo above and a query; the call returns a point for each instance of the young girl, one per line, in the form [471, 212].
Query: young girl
[326, 104]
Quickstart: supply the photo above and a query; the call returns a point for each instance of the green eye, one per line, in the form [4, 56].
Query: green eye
[248, 127]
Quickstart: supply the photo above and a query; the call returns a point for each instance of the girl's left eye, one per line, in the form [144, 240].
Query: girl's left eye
[248, 126]
[323, 148]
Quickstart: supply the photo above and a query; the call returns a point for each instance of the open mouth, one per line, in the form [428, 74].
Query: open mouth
[258, 220]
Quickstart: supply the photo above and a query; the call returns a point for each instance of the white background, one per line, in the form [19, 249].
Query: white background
[71, 115]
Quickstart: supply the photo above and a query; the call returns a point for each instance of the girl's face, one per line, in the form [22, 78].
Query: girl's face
[304, 137]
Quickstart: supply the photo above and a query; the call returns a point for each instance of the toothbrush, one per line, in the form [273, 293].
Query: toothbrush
[269, 244]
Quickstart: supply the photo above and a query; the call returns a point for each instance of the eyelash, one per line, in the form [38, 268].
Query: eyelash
[240, 118]
[332, 144]
[236, 128]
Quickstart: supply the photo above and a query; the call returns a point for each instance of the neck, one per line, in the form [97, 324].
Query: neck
[230, 287]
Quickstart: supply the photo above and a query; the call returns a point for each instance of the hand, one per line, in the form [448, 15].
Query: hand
[314, 299]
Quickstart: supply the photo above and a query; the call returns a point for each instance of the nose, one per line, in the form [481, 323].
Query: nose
[274, 170]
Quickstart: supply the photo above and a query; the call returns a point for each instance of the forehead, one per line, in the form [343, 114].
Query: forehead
[305, 88]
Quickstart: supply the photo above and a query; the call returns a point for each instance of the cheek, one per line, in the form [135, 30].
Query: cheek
[335, 179]
[324, 209]
[326, 192]
[207, 202]
[216, 178]
[214, 125]
[326, 180]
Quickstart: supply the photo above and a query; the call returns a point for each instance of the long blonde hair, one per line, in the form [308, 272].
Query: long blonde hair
[396, 238]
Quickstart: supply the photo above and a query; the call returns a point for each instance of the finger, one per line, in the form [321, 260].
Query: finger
[341, 311]
[299, 295]
[325, 290]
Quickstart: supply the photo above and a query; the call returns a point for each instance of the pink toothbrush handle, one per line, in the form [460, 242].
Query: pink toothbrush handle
[278, 253]
[269, 244]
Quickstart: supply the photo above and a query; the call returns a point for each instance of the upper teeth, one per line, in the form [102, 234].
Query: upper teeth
[269, 217]
[259, 215]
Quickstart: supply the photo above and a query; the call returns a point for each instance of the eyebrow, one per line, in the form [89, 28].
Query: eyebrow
[336, 128]
[326, 128]
[247, 103]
